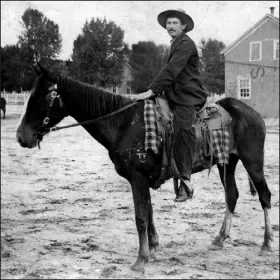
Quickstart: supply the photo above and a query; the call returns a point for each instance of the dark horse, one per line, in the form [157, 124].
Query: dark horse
[123, 136]
[3, 106]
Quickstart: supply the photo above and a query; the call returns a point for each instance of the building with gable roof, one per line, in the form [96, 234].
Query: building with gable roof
[252, 67]
[125, 86]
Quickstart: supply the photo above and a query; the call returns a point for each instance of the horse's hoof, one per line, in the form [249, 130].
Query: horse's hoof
[266, 250]
[265, 253]
[153, 254]
[138, 268]
[216, 245]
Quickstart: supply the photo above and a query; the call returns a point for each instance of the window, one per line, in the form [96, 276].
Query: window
[244, 88]
[114, 89]
[255, 51]
[128, 87]
[276, 49]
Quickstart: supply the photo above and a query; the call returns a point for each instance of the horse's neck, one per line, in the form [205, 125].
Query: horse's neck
[104, 131]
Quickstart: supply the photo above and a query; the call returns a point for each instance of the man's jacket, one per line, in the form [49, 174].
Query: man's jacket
[180, 78]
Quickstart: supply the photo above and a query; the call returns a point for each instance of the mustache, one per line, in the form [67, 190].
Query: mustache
[171, 29]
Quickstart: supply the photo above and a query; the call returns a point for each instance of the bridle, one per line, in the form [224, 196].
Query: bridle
[43, 129]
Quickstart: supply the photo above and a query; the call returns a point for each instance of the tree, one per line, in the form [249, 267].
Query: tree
[211, 67]
[146, 59]
[40, 39]
[13, 76]
[99, 53]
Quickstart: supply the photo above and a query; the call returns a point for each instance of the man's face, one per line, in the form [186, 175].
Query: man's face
[174, 26]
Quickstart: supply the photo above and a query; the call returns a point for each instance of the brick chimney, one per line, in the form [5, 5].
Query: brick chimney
[272, 11]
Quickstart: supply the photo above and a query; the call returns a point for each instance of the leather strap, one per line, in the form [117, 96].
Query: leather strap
[198, 139]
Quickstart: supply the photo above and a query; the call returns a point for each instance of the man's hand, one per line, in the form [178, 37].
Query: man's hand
[144, 95]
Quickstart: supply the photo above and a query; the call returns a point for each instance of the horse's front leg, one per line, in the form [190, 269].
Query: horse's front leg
[152, 233]
[141, 198]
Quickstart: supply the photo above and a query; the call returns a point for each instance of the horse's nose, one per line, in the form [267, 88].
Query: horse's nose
[21, 142]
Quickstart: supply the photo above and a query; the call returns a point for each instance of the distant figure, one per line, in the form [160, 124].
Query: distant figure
[3, 106]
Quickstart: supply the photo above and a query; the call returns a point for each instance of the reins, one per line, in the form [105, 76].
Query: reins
[55, 128]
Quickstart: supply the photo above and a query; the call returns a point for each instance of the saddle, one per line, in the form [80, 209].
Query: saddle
[210, 117]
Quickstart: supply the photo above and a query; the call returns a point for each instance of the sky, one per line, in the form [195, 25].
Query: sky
[221, 20]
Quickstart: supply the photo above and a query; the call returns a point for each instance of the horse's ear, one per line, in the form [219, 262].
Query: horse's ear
[47, 73]
[35, 70]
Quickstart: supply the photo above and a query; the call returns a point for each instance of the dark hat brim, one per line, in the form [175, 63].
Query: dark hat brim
[186, 18]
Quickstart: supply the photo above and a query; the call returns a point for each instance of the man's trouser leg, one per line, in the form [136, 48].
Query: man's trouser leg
[184, 147]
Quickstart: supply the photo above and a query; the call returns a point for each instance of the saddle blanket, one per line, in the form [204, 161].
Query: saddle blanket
[219, 137]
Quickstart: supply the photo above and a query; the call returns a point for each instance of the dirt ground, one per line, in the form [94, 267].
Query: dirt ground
[66, 213]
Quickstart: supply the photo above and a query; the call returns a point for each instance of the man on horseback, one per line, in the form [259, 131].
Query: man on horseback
[180, 82]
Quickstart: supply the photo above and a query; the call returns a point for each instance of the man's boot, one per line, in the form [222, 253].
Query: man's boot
[185, 191]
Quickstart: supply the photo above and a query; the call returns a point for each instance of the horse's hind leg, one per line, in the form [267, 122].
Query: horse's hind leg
[231, 195]
[254, 168]
[252, 187]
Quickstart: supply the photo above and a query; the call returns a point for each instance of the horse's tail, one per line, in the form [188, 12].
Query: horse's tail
[252, 186]
[246, 116]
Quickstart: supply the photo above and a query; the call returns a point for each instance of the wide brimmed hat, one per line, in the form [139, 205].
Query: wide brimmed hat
[162, 17]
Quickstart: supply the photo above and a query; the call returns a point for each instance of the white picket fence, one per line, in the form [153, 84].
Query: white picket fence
[15, 98]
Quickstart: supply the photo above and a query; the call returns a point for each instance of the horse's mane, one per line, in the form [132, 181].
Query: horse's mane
[95, 100]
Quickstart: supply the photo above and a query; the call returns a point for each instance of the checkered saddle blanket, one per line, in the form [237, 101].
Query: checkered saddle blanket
[215, 142]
